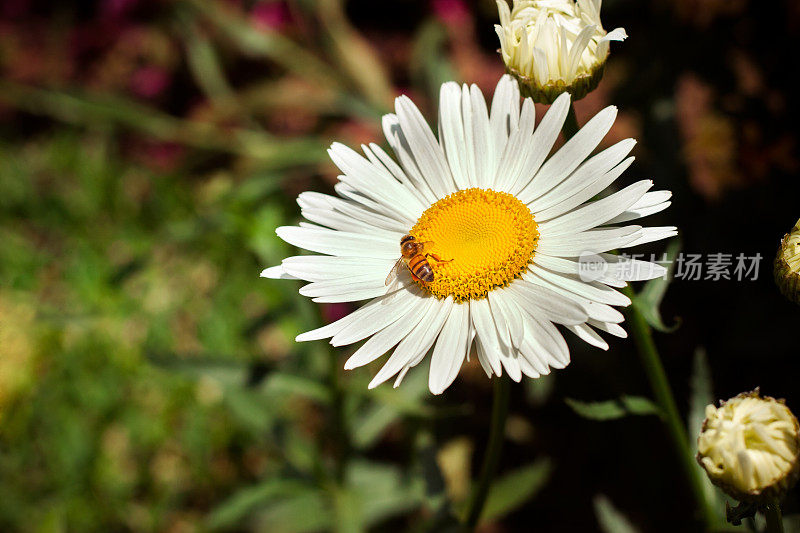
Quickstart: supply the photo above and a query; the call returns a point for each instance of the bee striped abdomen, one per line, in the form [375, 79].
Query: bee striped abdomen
[420, 267]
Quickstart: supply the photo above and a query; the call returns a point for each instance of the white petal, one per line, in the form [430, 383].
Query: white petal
[351, 294]
[487, 333]
[371, 181]
[591, 241]
[505, 111]
[327, 267]
[595, 213]
[424, 146]
[508, 353]
[639, 212]
[483, 142]
[588, 335]
[397, 139]
[342, 243]
[550, 342]
[593, 291]
[383, 340]
[584, 176]
[485, 360]
[276, 272]
[362, 216]
[353, 195]
[578, 47]
[544, 302]
[450, 350]
[614, 329]
[617, 34]
[451, 132]
[652, 234]
[631, 269]
[419, 340]
[365, 313]
[542, 142]
[569, 156]
[373, 316]
[516, 149]
[380, 158]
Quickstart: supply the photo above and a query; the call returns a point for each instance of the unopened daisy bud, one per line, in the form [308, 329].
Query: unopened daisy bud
[554, 46]
[749, 447]
[787, 265]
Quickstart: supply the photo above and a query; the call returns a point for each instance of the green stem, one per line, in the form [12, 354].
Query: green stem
[570, 127]
[338, 418]
[492, 457]
[91, 109]
[651, 362]
[772, 512]
[648, 354]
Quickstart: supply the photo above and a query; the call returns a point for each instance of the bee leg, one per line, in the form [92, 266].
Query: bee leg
[437, 258]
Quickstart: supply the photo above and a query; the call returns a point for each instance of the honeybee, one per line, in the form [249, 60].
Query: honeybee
[413, 256]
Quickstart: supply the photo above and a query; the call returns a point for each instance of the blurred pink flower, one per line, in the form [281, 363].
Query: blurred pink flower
[10, 9]
[159, 156]
[451, 12]
[272, 16]
[149, 82]
[333, 312]
[117, 8]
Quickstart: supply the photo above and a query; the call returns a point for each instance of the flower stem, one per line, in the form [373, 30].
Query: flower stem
[570, 127]
[772, 512]
[341, 442]
[648, 354]
[651, 362]
[492, 457]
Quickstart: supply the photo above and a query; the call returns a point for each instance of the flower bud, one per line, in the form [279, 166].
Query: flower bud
[554, 46]
[749, 447]
[787, 265]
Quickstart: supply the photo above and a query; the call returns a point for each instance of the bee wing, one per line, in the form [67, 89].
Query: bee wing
[393, 273]
[399, 277]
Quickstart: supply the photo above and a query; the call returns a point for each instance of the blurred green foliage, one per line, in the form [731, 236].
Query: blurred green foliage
[107, 265]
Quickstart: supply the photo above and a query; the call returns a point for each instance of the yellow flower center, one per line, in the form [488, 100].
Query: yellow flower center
[483, 239]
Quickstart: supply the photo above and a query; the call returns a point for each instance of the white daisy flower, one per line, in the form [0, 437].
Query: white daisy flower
[553, 46]
[502, 225]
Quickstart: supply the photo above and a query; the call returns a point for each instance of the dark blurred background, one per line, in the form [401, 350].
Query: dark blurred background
[149, 380]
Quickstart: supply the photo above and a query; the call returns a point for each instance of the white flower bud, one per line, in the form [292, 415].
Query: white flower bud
[554, 46]
[787, 265]
[749, 447]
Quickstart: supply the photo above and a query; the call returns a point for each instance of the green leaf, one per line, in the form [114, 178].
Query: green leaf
[609, 517]
[383, 491]
[648, 300]
[791, 523]
[273, 46]
[613, 409]
[386, 406]
[515, 488]
[701, 395]
[306, 512]
[539, 390]
[282, 384]
[244, 502]
[226, 370]
[430, 66]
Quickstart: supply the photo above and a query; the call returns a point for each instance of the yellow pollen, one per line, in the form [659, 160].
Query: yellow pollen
[487, 238]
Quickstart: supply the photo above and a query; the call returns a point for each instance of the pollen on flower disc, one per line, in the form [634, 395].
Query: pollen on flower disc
[487, 239]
